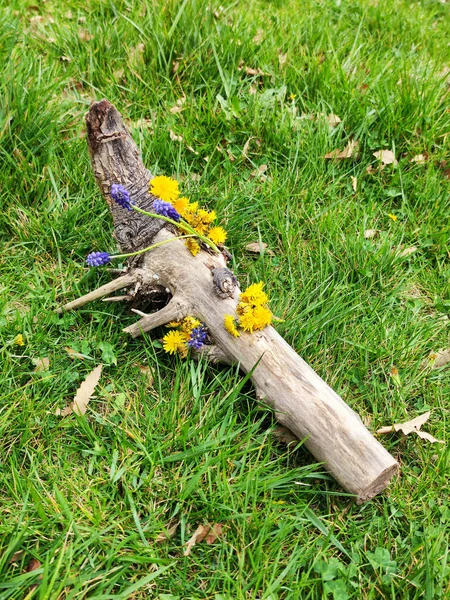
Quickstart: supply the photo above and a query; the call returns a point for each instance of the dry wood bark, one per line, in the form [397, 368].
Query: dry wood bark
[203, 287]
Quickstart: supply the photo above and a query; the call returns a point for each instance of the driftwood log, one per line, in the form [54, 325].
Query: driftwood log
[203, 287]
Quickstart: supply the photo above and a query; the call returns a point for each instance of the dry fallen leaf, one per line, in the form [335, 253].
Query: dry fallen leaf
[178, 106]
[350, 150]
[33, 565]
[259, 248]
[412, 427]
[258, 37]
[136, 55]
[439, 359]
[42, 364]
[354, 182]
[210, 532]
[199, 535]
[83, 395]
[420, 159]
[259, 172]
[214, 533]
[250, 71]
[408, 251]
[84, 35]
[73, 354]
[387, 157]
[168, 534]
[247, 146]
[147, 374]
[370, 233]
[282, 59]
[285, 435]
[333, 120]
[174, 137]
[16, 557]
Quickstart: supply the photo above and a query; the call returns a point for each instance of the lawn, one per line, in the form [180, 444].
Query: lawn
[234, 100]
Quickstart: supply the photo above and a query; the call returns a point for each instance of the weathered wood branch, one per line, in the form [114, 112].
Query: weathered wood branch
[200, 286]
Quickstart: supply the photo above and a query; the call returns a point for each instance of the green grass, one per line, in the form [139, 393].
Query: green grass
[88, 496]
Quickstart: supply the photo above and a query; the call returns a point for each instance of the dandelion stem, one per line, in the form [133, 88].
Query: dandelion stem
[182, 225]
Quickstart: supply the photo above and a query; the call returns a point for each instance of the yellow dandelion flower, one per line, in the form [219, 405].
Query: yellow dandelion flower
[174, 342]
[230, 326]
[180, 204]
[247, 321]
[173, 324]
[18, 340]
[192, 207]
[188, 324]
[254, 294]
[193, 246]
[165, 188]
[243, 307]
[393, 217]
[206, 216]
[262, 317]
[200, 228]
[217, 234]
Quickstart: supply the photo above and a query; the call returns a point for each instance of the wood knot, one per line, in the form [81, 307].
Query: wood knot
[224, 282]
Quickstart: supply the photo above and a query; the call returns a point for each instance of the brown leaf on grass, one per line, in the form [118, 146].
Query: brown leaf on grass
[420, 159]
[147, 374]
[16, 557]
[370, 233]
[439, 359]
[42, 364]
[33, 565]
[36, 20]
[168, 534]
[174, 137]
[259, 248]
[259, 172]
[210, 532]
[199, 535]
[412, 427]
[386, 157]
[73, 354]
[285, 436]
[333, 120]
[84, 35]
[178, 106]
[350, 150]
[408, 251]
[214, 533]
[282, 59]
[136, 56]
[83, 395]
[258, 71]
[258, 38]
[247, 146]
[354, 182]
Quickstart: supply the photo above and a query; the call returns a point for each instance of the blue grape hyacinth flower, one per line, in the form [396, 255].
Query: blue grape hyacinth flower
[98, 259]
[165, 209]
[121, 196]
[197, 337]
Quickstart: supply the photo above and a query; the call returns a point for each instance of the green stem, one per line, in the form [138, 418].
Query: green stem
[182, 225]
[180, 237]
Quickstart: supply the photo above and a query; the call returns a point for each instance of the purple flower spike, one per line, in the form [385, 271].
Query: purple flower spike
[165, 209]
[121, 195]
[197, 337]
[98, 259]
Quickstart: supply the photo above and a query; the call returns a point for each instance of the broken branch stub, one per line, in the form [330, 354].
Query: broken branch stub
[301, 400]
